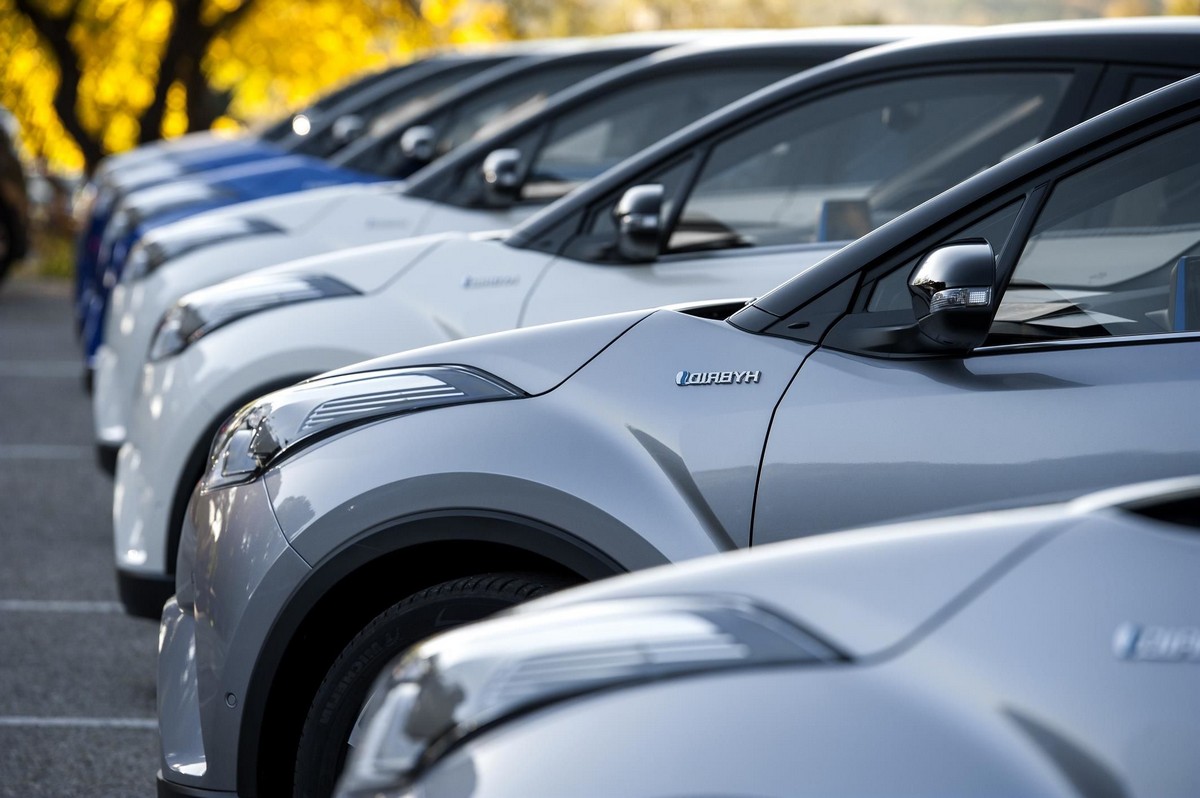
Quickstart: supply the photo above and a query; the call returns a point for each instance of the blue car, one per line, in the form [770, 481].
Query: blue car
[399, 143]
[319, 130]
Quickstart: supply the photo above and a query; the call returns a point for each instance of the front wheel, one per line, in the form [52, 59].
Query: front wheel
[324, 737]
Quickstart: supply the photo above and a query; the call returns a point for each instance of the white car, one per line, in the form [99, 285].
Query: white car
[1040, 652]
[730, 207]
[575, 137]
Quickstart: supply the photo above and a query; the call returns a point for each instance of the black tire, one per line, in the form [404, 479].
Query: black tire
[322, 749]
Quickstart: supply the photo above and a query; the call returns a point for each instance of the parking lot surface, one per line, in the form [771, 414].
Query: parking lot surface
[76, 674]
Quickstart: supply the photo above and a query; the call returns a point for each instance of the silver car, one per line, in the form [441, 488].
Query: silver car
[1040, 652]
[1028, 336]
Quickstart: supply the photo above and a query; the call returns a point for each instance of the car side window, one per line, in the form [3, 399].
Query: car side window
[837, 167]
[387, 113]
[588, 140]
[603, 224]
[1115, 250]
[1145, 83]
[509, 101]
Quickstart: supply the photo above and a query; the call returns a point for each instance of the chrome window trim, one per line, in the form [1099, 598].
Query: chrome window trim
[1077, 343]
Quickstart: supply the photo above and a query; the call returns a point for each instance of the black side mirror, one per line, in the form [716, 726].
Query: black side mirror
[502, 176]
[639, 222]
[953, 293]
[347, 128]
[419, 142]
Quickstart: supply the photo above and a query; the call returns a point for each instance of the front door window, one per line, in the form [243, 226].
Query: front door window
[1115, 252]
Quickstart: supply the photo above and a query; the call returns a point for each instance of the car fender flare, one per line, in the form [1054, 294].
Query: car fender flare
[486, 527]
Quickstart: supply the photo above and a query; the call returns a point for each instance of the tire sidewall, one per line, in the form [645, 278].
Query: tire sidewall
[338, 701]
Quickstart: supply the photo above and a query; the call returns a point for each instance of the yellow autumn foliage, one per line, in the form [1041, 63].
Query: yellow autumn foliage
[280, 54]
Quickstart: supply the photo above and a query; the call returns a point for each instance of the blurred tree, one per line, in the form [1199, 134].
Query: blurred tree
[1183, 7]
[86, 77]
[543, 18]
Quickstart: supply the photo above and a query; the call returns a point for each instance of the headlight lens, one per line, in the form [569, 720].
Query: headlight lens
[139, 205]
[208, 309]
[156, 249]
[461, 681]
[258, 434]
[119, 224]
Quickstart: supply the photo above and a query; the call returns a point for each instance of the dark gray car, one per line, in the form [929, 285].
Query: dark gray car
[1027, 336]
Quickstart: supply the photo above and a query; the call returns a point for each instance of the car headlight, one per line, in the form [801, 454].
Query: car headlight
[119, 225]
[261, 432]
[200, 312]
[469, 678]
[157, 248]
[137, 206]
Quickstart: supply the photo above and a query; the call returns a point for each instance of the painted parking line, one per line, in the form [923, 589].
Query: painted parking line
[42, 451]
[33, 605]
[54, 369]
[29, 721]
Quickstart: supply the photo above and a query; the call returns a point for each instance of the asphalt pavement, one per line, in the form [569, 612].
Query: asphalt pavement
[76, 674]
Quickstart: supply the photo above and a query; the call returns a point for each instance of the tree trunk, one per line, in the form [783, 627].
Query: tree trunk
[55, 31]
[182, 61]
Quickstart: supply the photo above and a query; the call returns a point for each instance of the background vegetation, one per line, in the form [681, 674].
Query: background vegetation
[89, 77]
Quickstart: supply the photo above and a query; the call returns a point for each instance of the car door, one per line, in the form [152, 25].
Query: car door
[755, 205]
[1088, 379]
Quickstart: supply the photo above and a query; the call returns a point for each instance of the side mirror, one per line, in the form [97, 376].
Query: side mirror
[639, 222]
[953, 291]
[347, 128]
[502, 176]
[419, 142]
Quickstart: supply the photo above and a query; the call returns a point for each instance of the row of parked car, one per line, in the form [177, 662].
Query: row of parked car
[838, 233]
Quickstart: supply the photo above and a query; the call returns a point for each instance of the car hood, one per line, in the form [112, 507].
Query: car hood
[158, 172]
[371, 267]
[146, 203]
[534, 359]
[239, 183]
[277, 175]
[866, 592]
[292, 211]
[167, 148]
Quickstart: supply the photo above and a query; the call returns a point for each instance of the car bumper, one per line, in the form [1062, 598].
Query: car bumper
[168, 790]
[108, 411]
[141, 510]
[166, 424]
[110, 401]
[119, 361]
[235, 572]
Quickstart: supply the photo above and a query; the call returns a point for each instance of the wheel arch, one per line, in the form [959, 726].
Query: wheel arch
[345, 591]
[197, 458]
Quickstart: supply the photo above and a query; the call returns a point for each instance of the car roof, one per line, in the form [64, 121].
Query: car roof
[1168, 42]
[1086, 136]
